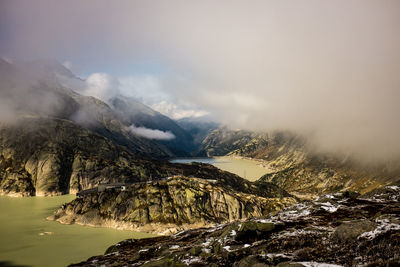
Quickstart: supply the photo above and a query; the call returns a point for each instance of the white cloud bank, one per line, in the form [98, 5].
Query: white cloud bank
[102, 86]
[329, 69]
[151, 133]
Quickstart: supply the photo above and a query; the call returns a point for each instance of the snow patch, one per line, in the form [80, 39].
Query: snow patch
[318, 264]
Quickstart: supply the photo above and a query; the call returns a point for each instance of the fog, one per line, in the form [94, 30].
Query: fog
[326, 69]
[151, 133]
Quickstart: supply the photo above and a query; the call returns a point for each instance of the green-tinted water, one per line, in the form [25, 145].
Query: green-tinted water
[246, 168]
[27, 238]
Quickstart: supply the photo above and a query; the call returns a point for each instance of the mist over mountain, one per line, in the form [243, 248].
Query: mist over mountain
[326, 69]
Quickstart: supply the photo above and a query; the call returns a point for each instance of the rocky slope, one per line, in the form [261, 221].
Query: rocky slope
[223, 141]
[40, 156]
[173, 204]
[343, 229]
[54, 140]
[49, 156]
[293, 165]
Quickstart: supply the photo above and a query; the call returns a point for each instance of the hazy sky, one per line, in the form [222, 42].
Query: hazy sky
[328, 68]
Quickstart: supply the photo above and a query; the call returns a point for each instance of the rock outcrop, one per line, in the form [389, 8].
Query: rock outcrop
[173, 204]
[344, 229]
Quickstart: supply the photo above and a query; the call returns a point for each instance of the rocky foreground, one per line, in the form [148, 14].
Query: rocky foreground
[343, 229]
[175, 203]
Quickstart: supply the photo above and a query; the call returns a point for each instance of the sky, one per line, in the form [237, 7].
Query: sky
[329, 69]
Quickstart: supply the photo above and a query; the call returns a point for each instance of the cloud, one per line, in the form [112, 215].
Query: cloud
[68, 64]
[176, 112]
[151, 133]
[327, 69]
[102, 86]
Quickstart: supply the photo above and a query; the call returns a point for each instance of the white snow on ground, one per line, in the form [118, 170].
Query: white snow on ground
[174, 247]
[295, 212]
[328, 206]
[206, 250]
[207, 243]
[233, 233]
[227, 248]
[191, 260]
[276, 255]
[216, 228]
[394, 187]
[325, 196]
[318, 264]
[246, 245]
[383, 228]
[295, 233]
[264, 221]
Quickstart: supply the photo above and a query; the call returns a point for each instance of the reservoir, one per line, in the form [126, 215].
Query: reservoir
[245, 168]
[28, 239]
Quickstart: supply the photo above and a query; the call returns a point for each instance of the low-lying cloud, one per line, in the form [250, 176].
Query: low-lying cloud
[327, 69]
[151, 133]
[102, 86]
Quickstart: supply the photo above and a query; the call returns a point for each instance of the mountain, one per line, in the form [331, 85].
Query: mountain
[344, 229]
[32, 93]
[132, 112]
[198, 128]
[50, 156]
[222, 141]
[54, 140]
[298, 168]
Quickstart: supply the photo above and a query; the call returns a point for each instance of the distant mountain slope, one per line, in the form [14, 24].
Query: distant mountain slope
[132, 112]
[296, 167]
[198, 128]
[223, 140]
[34, 90]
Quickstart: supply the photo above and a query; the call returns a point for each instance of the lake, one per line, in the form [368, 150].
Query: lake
[28, 239]
[245, 168]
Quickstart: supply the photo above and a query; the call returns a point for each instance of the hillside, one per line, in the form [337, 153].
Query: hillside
[174, 204]
[335, 230]
[295, 166]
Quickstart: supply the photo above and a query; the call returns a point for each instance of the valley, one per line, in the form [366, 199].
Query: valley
[193, 184]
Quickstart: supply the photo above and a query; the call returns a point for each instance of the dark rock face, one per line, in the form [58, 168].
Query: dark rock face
[340, 229]
[41, 156]
[173, 204]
